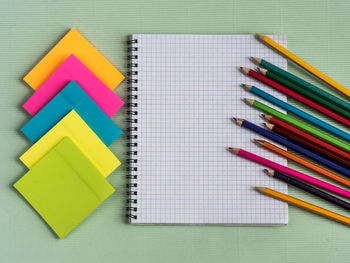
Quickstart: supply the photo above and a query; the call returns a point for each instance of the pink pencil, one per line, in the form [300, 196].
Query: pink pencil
[291, 172]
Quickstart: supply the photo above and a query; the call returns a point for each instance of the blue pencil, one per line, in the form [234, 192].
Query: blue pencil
[291, 145]
[296, 111]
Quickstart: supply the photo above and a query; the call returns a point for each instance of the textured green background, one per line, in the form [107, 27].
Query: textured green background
[317, 31]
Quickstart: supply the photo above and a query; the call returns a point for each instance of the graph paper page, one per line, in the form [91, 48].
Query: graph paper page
[188, 91]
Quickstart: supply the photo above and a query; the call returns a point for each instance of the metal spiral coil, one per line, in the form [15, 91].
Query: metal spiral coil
[132, 130]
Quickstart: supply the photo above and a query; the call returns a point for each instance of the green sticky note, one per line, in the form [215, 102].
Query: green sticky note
[64, 187]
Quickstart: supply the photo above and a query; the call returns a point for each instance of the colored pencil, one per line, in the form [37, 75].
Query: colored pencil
[301, 90]
[258, 105]
[311, 180]
[306, 144]
[294, 95]
[302, 114]
[306, 136]
[293, 146]
[308, 188]
[303, 162]
[302, 83]
[305, 205]
[303, 64]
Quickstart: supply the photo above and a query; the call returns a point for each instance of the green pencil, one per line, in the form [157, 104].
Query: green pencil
[302, 83]
[309, 129]
[305, 92]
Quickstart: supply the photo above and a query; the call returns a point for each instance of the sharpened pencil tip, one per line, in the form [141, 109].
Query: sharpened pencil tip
[260, 189]
[248, 101]
[244, 70]
[266, 117]
[259, 36]
[238, 121]
[269, 126]
[259, 142]
[269, 172]
[233, 150]
[262, 70]
[246, 87]
[256, 60]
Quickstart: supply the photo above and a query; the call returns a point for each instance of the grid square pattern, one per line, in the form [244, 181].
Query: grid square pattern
[188, 91]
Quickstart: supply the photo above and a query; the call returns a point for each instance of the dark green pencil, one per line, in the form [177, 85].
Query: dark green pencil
[341, 111]
[302, 83]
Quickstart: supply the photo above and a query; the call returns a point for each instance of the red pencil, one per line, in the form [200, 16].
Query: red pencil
[307, 144]
[306, 136]
[296, 96]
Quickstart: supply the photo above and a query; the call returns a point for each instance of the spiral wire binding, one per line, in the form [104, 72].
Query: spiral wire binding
[132, 130]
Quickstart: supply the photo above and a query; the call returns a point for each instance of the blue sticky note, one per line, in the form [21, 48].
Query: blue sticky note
[72, 97]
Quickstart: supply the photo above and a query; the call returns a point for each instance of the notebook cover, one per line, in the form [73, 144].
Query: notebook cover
[73, 69]
[73, 125]
[74, 43]
[64, 187]
[72, 97]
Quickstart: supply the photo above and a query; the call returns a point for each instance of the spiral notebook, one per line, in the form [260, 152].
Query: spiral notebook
[184, 90]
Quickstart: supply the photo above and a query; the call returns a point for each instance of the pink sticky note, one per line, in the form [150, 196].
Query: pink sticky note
[73, 69]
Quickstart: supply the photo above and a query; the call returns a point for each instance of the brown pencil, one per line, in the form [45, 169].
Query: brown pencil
[301, 141]
[307, 136]
[303, 162]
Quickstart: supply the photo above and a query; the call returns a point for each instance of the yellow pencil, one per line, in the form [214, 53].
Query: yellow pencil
[307, 206]
[303, 64]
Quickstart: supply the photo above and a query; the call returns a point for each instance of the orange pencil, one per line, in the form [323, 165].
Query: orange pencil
[303, 162]
[302, 204]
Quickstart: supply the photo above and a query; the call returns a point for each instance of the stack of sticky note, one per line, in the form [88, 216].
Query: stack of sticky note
[71, 129]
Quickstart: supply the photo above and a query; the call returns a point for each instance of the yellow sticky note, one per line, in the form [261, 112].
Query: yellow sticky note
[73, 126]
[74, 43]
[64, 187]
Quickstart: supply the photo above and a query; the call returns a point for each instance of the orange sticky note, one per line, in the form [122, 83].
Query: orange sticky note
[74, 43]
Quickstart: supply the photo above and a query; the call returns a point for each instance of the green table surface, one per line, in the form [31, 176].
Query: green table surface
[316, 30]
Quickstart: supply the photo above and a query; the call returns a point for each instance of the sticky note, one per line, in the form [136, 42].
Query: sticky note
[73, 69]
[73, 125]
[64, 187]
[74, 43]
[72, 97]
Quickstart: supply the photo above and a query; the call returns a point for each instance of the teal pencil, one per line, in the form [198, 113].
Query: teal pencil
[324, 125]
[302, 83]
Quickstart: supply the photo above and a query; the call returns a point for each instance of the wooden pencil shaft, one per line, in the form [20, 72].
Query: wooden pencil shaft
[309, 179]
[304, 163]
[307, 136]
[312, 190]
[305, 205]
[301, 125]
[313, 147]
[302, 114]
[302, 83]
[306, 101]
[304, 65]
[310, 95]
